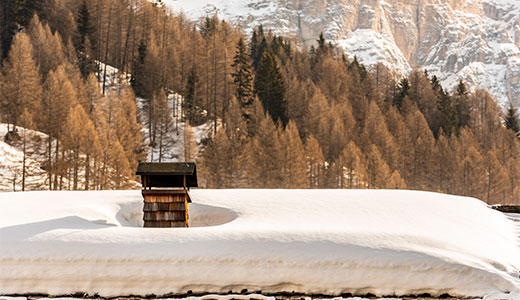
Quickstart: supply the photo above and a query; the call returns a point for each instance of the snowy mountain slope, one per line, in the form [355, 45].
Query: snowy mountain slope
[476, 40]
[11, 162]
[308, 241]
[175, 136]
[11, 155]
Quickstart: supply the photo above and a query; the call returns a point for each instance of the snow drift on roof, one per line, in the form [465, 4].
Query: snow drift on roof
[309, 241]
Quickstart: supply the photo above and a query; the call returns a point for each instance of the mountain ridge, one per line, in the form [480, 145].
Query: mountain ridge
[477, 41]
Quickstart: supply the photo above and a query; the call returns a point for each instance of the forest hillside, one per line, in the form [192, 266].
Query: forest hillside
[274, 116]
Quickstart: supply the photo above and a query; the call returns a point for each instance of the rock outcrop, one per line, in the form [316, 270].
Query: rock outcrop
[474, 40]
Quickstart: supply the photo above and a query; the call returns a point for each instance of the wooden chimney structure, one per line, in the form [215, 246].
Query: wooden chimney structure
[165, 192]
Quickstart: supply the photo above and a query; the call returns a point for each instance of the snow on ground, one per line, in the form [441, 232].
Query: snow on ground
[11, 161]
[514, 217]
[370, 48]
[388, 243]
[113, 78]
[175, 136]
[196, 9]
[11, 155]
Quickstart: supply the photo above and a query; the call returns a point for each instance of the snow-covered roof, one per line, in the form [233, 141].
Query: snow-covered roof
[330, 242]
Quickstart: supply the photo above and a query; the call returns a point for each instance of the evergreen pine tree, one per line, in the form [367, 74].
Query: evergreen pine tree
[356, 68]
[269, 86]
[138, 74]
[253, 44]
[258, 46]
[86, 63]
[85, 28]
[403, 90]
[243, 79]
[446, 114]
[84, 40]
[511, 120]
[191, 106]
[322, 46]
[323, 50]
[461, 89]
[209, 27]
[436, 85]
[462, 106]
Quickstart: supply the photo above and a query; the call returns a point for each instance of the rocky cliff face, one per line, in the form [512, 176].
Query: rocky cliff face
[476, 40]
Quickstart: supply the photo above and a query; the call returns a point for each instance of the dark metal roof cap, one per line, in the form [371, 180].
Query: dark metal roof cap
[175, 168]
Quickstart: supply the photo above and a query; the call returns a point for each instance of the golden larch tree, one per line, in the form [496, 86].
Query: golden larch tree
[294, 173]
[20, 85]
[315, 162]
[378, 172]
[353, 164]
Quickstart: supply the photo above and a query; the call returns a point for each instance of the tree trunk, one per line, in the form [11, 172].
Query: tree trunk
[24, 158]
[128, 29]
[214, 84]
[87, 171]
[49, 159]
[56, 164]
[76, 169]
[106, 47]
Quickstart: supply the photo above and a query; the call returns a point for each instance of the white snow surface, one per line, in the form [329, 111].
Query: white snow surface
[175, 136]
[385, 242]
[11, 161]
